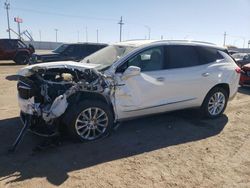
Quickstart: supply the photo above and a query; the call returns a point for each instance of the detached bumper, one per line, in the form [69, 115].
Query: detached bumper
[39, 127]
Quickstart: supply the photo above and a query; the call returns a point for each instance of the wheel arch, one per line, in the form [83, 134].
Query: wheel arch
[20, 53]
[84, 96]
[224, 86]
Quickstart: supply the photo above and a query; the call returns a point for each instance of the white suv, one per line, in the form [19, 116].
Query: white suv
[126, 80]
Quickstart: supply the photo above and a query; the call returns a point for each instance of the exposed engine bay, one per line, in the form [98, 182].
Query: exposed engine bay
[46, 92]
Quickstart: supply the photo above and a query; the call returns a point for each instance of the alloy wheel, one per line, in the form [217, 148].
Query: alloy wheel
[91, 123]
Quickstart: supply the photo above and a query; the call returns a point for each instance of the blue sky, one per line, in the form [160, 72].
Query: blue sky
[204, 20]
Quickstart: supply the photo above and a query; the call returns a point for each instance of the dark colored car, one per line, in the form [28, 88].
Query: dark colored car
[245, 75]
[68, 52]
[241, 59]
[16, 50]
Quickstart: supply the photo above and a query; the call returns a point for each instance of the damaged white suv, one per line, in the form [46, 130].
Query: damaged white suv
[123, 81]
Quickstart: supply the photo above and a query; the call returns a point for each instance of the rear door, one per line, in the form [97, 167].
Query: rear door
[189, 74]
[1, 50]
[9, 49]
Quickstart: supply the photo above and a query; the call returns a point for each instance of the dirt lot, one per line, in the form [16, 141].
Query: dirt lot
[170, 150]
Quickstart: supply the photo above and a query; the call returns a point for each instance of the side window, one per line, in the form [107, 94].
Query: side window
[70, 50]
[91, 49]
[149, 60]
[181, 56]
[82, 50]
[78, 51]
[208, 55]
[10, 45]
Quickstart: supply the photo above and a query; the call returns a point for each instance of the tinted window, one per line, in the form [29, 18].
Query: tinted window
[70, 50]
[10, 44]
[181, 56]
[208, 55]
[149, 60]
[79, 51]
[74, 50]
[92, 48]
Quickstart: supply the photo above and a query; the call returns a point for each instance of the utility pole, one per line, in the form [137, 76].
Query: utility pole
[7, 7]
[56, 34]
[121, 23]
[248, 43]
[77, 36]
[86, 30]
[40, 35]
[149, 31]
[225, 36]
[97, 36]
[161, 37]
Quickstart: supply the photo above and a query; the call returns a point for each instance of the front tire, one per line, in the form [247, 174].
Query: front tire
[90, 120]
[22, 59]
[215, 103]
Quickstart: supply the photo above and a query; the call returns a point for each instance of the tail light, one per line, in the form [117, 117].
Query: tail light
[238, 70]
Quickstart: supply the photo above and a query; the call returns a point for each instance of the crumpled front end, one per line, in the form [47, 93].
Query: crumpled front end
[44, 93]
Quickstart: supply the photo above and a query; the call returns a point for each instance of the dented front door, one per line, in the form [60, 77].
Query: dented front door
[140, 94]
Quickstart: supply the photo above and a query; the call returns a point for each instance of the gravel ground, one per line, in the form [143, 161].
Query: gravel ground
[170, 150]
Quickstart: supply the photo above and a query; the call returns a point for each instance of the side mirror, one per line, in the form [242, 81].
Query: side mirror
[131, 71]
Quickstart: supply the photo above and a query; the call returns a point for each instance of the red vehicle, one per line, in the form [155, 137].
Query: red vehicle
[245, 75]
[16, 50]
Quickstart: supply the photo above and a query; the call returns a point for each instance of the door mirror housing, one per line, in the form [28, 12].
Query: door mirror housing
[131, 71]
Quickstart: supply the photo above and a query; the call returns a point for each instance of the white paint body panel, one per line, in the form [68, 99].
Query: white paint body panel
[182, 88]
[157, 91]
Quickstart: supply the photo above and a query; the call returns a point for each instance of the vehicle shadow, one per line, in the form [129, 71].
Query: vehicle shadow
[244, 90]
[13, 77]
[131, 138]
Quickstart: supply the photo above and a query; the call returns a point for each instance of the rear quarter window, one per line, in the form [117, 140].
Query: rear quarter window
[209, 55]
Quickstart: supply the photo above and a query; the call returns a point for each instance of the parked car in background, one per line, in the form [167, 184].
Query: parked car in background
[245, 75]
[241, 58]
[16, 50]
[68, 52]
[123, 81]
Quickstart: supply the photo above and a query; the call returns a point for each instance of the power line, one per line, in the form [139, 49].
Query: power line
[61, 14]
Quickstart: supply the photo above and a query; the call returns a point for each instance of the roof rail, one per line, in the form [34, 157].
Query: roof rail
[187, 41]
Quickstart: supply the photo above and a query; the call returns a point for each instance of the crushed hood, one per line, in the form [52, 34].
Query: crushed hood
[27, 71]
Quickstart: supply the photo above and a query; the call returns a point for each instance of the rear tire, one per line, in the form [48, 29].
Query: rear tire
[22, 59]
[89, 120]
[215, 103]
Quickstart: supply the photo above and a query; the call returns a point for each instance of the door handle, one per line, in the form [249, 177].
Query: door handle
[205, 74]
[160, 79]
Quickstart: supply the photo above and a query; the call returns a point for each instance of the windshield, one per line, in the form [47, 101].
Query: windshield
[61, 48]
[108, 55]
